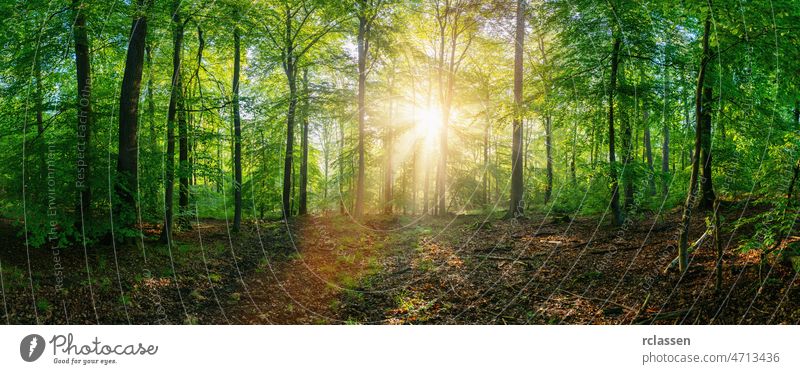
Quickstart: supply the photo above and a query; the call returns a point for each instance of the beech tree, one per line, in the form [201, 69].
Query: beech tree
[127, 158]
[517, 205]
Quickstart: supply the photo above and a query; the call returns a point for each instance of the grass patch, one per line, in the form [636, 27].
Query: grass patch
[13, 277]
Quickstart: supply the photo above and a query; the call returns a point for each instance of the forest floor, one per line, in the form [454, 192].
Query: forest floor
[402, 270]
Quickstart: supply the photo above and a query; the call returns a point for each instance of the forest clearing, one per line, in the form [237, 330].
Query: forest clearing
[400, 162]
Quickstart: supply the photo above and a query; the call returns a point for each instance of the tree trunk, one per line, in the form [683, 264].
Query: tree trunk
[340, 178]
[627, 159]
[689, 155]
[426, 190]
[127, 162]
[303, 206]
[707, 196]
[363, 50]
[326, 155]
[39, 97]
[151, 104]
[388, 172]
[486, 161]
[184, 168]
[612, 158]
[237, 133]
[648, 152]
[291, 76]
[174, 106]
[665, 158]
[516, 207]
[718, 247]
[796, 168]
[548, 144]
[39, 107]
[153, 190]
[84, 128]
[683, 242]
[572, 172]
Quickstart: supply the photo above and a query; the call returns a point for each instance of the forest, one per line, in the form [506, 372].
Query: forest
[400, 161]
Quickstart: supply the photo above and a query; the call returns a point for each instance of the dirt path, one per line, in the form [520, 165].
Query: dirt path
[305, 288]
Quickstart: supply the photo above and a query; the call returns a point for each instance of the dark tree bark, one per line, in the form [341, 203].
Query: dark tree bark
[237, 133]
[627, 160]
[665, 157]
[683, 242]
[41, 176]
[707, 195]
[151, 104]
[516, 207]
[612, 158]
[292, 51]
[201, 43]
[127, 162]
[548, 129]
[648, 153]
[84, 128]
[796, 168]
[548, 145]
[39, 97]
[174, 105]
[303, 206]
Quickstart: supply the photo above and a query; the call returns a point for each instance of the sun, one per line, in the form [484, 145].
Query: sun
[428, 123]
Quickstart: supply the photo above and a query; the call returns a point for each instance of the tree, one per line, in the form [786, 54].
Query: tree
[700, 108]
[237, 132]
[293, 28]
[517, 189]
[388, 142]
[707, 195]
[303, 208]
[665, 142]
[615, 209]
[84, 127]
[548, 125]
[127, 158]
[175, 110]
[366, 12]
[454, 19]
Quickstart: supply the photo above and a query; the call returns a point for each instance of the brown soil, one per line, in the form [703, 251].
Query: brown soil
[395, 270]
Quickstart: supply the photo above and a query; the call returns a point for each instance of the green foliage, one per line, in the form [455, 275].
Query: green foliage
[566, 81]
